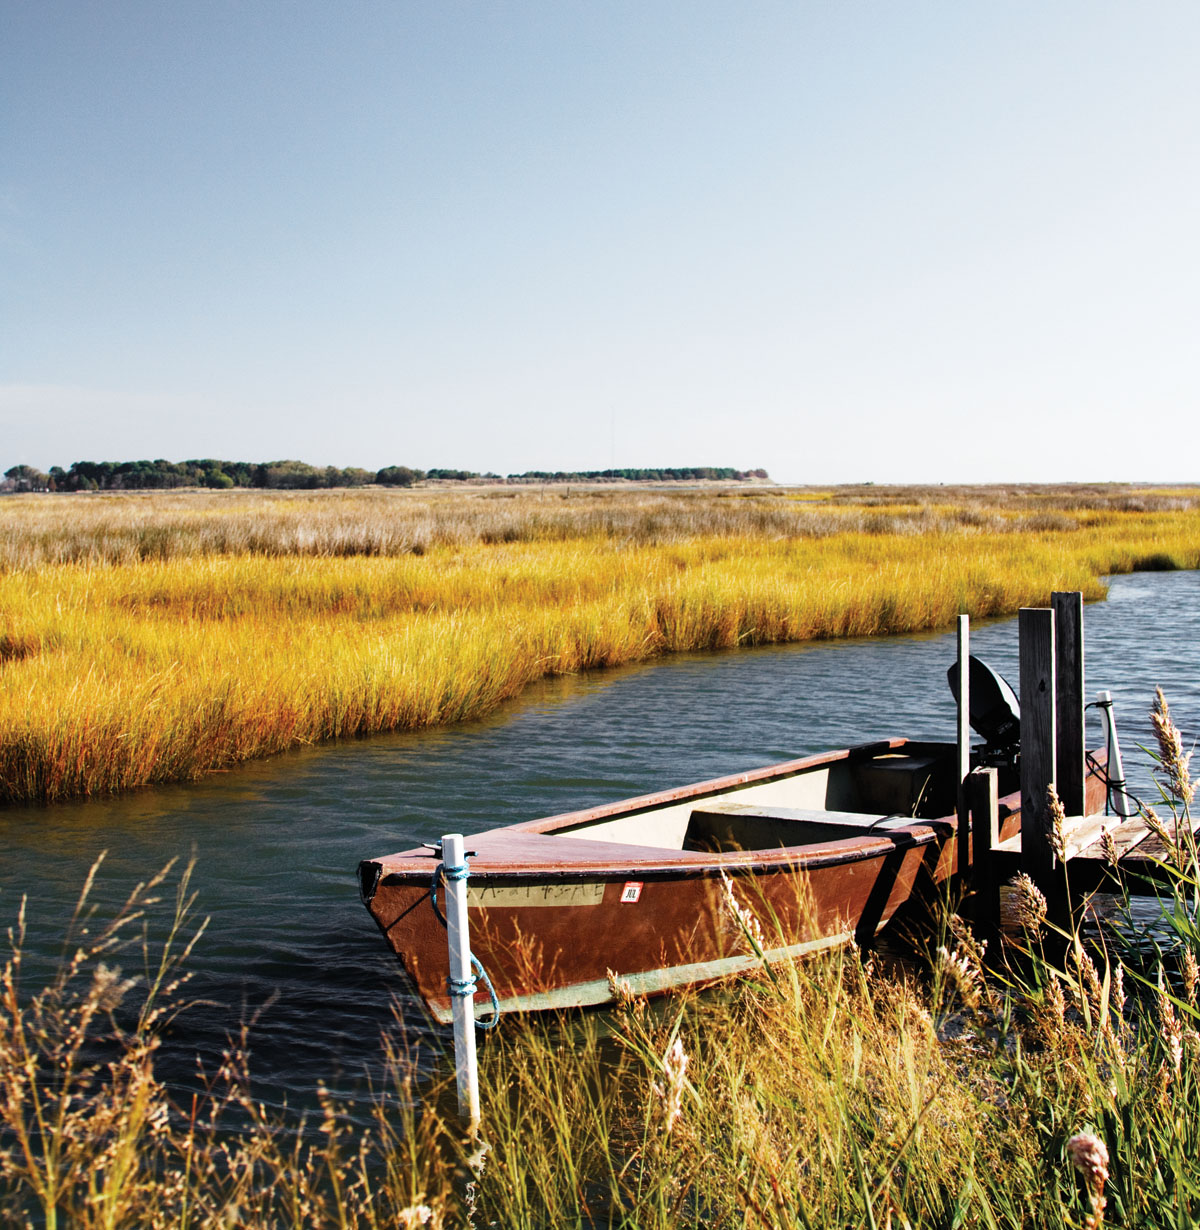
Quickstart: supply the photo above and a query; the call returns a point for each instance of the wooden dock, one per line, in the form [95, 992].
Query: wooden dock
[1141, 854]
[1053, 761]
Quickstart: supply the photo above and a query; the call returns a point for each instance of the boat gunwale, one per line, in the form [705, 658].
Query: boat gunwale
[689, 865]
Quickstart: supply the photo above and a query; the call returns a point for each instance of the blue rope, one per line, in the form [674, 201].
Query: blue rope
[437, 909]
[464, 988]
[482, 975]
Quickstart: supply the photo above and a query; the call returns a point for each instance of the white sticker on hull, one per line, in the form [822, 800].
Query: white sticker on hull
[524, 896]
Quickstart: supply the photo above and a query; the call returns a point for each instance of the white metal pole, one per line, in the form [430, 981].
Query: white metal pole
[462, 979]
[964, 696]
[1121, 802]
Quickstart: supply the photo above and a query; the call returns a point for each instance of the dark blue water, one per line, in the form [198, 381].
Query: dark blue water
[276, 843]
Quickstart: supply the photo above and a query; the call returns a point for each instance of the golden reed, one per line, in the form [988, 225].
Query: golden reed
[151, 638]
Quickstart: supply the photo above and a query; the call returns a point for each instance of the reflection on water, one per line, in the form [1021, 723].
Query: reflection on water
[276, 843]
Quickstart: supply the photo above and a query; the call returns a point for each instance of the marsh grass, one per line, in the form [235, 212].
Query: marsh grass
[127, 528]
[156, 638]
[835, 1093]
[91, 1138]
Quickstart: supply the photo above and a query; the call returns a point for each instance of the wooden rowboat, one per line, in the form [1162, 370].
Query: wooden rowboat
[822, 850]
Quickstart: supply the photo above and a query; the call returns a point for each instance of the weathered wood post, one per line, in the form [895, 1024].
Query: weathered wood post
[964, 746]
[461, 982]
[1039, 758]
[1070, 767]
[983, 800]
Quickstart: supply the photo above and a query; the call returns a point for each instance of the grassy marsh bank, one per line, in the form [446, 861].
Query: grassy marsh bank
[157, 638]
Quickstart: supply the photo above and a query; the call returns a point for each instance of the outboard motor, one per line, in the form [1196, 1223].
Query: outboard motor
[995, 711]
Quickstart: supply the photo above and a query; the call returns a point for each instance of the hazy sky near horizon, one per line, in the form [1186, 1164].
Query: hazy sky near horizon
[927, 241]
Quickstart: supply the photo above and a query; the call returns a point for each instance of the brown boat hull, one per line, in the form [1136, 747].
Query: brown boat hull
[814, 852]
[656, 928]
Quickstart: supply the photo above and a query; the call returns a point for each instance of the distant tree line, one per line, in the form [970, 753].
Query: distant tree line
[209, 472]
[711, 473]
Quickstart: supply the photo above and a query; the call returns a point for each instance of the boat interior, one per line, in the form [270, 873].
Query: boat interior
[867, 789]
[871, 788]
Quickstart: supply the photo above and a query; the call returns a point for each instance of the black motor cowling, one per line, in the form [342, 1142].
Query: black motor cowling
[995, 711]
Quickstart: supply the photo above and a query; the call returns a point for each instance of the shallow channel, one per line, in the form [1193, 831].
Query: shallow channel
[276, 843]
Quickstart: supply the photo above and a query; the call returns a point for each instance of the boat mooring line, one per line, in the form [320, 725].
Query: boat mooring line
[465, 987]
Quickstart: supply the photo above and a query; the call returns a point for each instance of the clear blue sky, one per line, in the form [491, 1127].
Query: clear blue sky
[926, 241]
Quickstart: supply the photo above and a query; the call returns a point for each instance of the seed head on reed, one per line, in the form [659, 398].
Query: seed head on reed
[961, 973]
[1170, 750]
[974, 950]
[626, 998]
[108, 989]
[965, 938]
[1175, 848]
[1089, 1155]
[1156, 826]
[1191, 975]
[670, 1093]
[1056, 1006]
[1058, 824]
[1030, 904]
[1089, 981]
[746, 921]
[1108, 848]
[1170, 1031]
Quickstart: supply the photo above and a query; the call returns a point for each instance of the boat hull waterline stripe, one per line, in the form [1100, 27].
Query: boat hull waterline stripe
[649, 982]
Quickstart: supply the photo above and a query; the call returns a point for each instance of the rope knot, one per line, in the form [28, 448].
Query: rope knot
[462, 988]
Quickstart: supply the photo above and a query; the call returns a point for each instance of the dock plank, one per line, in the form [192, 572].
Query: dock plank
[1140, 852]
[1127, 837]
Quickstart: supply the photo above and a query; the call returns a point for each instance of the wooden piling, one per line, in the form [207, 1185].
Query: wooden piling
[1070, 766]
[983, 800]
[964, 746]
[1039, 758]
